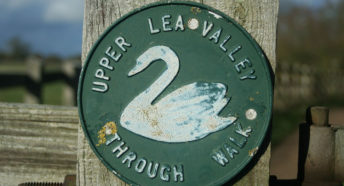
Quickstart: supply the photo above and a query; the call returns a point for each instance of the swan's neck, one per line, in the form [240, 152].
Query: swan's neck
[167, 76]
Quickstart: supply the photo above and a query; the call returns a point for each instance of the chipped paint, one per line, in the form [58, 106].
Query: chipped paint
[195, 10]
[108, 129]
[217, 16]
[253, 151]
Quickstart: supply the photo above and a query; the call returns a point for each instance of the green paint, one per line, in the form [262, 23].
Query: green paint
[224, 53]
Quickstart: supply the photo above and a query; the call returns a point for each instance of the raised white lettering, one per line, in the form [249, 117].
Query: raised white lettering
[114, 138]
[240, 143]
[179, 24]
[113, 55]
[101, 74]
[120, 149]
[152, 30]
[243, 64]
[220, 157]
[235, 50]
[230, 151]
[104, 86]
[206, 28]
[249, 76]
[105, 63]
[246, 133]
[216, 36]
[152, 172]
[164, 173]
[140, 165]
[120, 42]
[166, 23]
[178, 173]
[129, 157]
[224, 42]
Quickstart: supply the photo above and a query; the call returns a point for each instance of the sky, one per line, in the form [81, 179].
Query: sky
[50, 27]
[286, 5]
[54, 27]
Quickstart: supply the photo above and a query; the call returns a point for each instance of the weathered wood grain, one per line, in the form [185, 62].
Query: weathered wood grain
[37, 143]
[259, 18]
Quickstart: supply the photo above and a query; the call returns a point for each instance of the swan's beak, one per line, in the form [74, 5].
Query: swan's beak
[138, 68]
[135, 70]
[131, 73]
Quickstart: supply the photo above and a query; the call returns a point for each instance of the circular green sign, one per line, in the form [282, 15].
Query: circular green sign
[175, 93]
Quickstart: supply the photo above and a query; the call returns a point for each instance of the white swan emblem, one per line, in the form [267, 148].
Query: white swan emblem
[186, 114]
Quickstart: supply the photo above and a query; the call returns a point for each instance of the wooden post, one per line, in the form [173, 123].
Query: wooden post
[38, 143]
[259, 18]
[34, 70]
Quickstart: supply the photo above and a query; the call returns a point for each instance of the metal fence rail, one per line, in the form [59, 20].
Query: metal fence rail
[295, 83]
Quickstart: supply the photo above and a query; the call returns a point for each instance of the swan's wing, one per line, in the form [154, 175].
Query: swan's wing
[193, 102]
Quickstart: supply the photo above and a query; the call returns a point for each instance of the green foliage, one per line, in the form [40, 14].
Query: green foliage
[285, 122]
[312, 36]
[12, 94]
[52, 93]
[18, 49]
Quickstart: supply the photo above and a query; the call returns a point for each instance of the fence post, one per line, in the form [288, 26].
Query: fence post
[69, 76]
[259, 18]
[317, 149]
[319, 163]
[339, 153]
[34, 70]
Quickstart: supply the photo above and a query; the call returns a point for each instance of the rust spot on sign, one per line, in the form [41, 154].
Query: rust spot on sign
[253, 151]
[108, 129]
[195, 10]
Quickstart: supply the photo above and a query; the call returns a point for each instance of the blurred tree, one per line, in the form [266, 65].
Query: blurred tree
[53, 59]
[18, 49]
[312, 36]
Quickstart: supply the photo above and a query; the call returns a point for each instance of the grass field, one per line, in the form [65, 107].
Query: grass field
[51, 94]
[285, 122]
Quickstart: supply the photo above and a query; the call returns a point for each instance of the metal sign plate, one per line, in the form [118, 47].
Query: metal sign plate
[175, 93]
